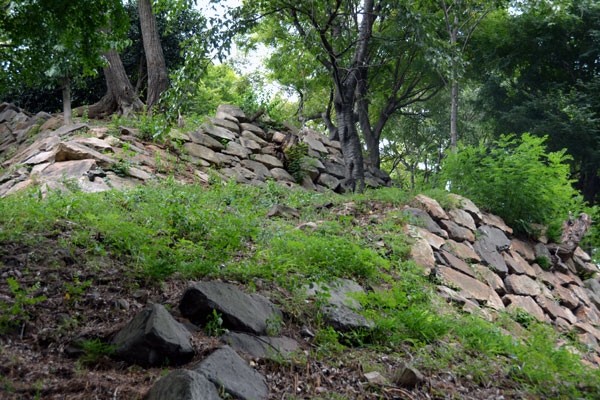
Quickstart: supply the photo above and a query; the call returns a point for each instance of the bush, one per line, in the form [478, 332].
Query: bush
[516, 179]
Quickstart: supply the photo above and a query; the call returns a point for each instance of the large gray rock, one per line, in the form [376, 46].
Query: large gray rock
[217, 132]
[496, 236]
[431, 206]
[268, 160]
[233, 111]
[522, 285]
[236, 149]
[76, 151]
[337, 170]
[240, 311]
[254, 129]
[329, 181]
[280, 174]
[152, 337]
[68, 169]
[205, 140]
[462, 218]
[200, 151]
[225, 123]
[541, 251]
[487, 250]
[554, 310]
[183, 385]
[470, 287]
[229, 371]
[593, 285]
[422, 218]
[457, 232]
[525, 303]
[261, 171]
[261, 346]
[340, 305]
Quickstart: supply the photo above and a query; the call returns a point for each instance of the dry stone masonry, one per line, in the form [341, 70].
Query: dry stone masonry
[484, 268]
[38, 152]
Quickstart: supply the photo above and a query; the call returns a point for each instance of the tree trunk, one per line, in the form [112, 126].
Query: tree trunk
[66, 96]
[141, 74]
[120, 96]
[351, 147]
[454, 115]
[158, 81]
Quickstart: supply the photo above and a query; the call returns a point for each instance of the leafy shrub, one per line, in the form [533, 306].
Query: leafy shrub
[295, 161]
[515, 179]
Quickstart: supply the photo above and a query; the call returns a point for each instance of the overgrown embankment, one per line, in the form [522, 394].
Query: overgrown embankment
[76, 267]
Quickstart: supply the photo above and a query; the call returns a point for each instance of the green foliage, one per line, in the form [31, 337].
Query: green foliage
[543, 262]
[321, 256]
[14, 314]
[295, 158]
[514, 178]
[214, 324]
[94, 350]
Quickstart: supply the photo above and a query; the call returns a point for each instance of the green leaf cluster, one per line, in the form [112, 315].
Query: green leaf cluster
[515, 178]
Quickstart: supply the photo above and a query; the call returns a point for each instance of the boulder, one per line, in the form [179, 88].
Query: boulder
[183, 385]
[254, 129]
[197, 150]
[456, 263]
[225, 123]
[492, 279]
[580, 293]
[422, 254]
[339, 308]
[68, 169]
[329, 181]
[497, 222]
[470, 286]
[462, 250]
[261, 346]
[217, 132]
[524, 303]
[229, 110]
[251, 136]
[261, 171]
[566, 297]
[250, 144]
[522, 285]
[268, 160]
[337, 170]
[240, 311]
[75, 151]
[236, 149]
[431, 206]
[205, 140]
[554, 310]
[462, 218]
[226, 370]
[280, 174]
[593, 285]
[314, 144]
[582, 254]
[457, 232]
[487, 250]
[496, 236]
[281, 211]
[525, 249]
[435, 241]
[421, 218]
[469, 206]
[588, 314]
[152, 337]
[541, 251]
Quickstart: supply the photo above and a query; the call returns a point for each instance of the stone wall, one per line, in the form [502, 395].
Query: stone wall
[484, 268]
[38, 150]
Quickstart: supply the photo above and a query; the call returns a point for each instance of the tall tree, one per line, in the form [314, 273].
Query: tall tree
[59, 40]
[360, 45]
[158, 80]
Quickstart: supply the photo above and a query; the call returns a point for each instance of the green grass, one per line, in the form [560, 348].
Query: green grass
[170, 230]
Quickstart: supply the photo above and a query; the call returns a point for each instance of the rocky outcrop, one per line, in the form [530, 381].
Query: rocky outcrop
[499, 271]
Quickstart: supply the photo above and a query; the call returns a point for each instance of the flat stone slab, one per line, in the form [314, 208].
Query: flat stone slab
[435, 241]
[461, 250]
[240, 311]
[566, 297]
[526, 304]
[218, 132]
[468, 205]
[68, 169]
[496, 236]
[254, 129]
[236, 149]
[497, 222]
[183, 385]
[152, 337]
[422, 253]
[486, 249]
[457, 232]
[268, 160]
[421, 217]
[522, 285]
[227, 370]
[462, 218]
[202, 152]
[525, 249]
[76, 151]
[474, 288]
[457, 264]
[329, 181]
[555, 310]
[261, 346]
[492, 279]
[431, 206]
[205, 140]
[225, 123]
[280, 174]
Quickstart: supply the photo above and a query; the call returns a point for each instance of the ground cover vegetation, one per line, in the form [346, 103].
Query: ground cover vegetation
[158, 236]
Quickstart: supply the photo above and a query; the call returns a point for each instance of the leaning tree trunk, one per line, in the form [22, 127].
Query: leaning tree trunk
[66, 96]
[454, 115]
[120, 95]
[351, 148]
[158, 81]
